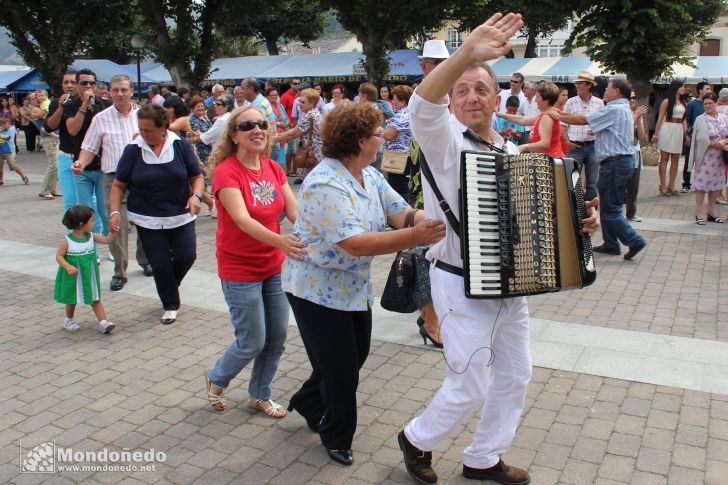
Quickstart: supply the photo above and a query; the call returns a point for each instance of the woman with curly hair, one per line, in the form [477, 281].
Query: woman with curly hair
[344, 209]
[250, 191]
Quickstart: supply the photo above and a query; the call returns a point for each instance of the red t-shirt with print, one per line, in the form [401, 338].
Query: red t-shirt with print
[241, 257]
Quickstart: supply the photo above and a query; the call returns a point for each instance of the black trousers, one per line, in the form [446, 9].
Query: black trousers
[686, 174]
[633, 188]
[31, 132]
[171, 252]
[337, 344]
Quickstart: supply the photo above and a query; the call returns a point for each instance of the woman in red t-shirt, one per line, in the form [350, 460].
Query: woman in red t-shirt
[546, 134]
[251, 191]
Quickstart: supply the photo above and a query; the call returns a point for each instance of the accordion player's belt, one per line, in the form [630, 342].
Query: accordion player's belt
[449, 268]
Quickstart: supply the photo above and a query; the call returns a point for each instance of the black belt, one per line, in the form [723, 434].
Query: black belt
[582, 143]
[449, 268]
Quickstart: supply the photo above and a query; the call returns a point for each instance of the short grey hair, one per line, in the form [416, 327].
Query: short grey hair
[120, 77]
[253, 83]
[489, 70]
[218, 87]
[723, 95]
[153, 88]
[530, 84]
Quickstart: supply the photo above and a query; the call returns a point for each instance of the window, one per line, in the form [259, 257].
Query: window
[711, 47]
[454, 38]
[549, 50]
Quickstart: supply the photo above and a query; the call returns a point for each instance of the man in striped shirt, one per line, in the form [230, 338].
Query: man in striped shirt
[613, 128]
[110, 131]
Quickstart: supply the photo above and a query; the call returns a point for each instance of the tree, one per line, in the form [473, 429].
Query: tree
[380, 30]
[185, 36]
[46, 34]
[287, 20]
[643, 38]
[539, 18]
[114, 43]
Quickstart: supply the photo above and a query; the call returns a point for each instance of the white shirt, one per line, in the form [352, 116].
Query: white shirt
[245, 104]
[151, 158]
[578, 133]
[505, 94]
[110, 131]
[213, 134]
[529, 108]
[440, 136]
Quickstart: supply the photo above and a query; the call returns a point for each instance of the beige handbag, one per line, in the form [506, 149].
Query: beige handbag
[650, 155]
[394, 162]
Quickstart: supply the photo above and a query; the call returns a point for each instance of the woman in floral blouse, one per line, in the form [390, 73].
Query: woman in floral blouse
[310, 119]
[344, 208]
[397, 135]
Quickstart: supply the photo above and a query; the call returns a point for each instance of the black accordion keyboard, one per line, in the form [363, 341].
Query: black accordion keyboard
[521, 230]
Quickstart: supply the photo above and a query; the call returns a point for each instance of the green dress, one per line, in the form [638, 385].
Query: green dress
[84, 287]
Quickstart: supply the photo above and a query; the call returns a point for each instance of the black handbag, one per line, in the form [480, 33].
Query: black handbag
[408, 285]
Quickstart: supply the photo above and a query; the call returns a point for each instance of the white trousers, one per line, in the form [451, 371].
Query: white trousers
[477, 377]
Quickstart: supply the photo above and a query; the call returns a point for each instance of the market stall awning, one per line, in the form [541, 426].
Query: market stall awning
[8, 78]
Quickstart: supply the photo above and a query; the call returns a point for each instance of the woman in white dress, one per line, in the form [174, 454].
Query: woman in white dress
[670, 135]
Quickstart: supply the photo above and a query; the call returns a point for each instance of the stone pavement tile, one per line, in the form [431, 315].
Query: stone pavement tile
[552, 456]
[600, 429]
[578, 472]
[216, 476]
[685, 476]
[624, 445]
[589, 449]
[643, 478]
[718, 428]
[692, 435]
[617, 468]
[630, 425]
[653, 460]
[718, 449]
[687, 456]
[658, 438]
[716, 472]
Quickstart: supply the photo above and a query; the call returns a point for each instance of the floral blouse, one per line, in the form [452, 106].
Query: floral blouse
[202, 125]
[332, 206]
[400, 122]
[305, 120]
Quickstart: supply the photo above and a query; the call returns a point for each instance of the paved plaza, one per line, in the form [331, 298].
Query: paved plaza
[630, 379]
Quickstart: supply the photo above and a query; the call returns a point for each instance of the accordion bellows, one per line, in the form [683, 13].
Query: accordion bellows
[521, 229]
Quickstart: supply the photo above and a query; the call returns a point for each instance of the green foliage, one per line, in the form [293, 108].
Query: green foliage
[48, 35]
[235, 46]
[643, 38]
[540, 18]
[380, 29]
[286, 19]
[114, 43]
[185, 36]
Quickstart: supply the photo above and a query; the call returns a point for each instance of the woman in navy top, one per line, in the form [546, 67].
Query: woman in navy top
[165, 184]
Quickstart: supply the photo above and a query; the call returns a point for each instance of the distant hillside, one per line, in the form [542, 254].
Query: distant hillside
[8, 54]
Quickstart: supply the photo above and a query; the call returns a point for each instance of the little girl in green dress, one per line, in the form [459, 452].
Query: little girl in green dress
[77, 280]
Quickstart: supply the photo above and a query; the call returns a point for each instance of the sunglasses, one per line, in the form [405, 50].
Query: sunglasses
[515, 82]
[249, 125]
[632, 98]
[87, 83]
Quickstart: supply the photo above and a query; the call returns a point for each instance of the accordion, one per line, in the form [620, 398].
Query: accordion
[520, 225]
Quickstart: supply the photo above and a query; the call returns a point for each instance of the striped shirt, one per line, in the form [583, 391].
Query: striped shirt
[110, 131]
[578, 133]
[613, 127]
[265, 107]
[529, 108]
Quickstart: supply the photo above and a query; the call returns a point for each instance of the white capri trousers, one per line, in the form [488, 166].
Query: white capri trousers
[469, 329]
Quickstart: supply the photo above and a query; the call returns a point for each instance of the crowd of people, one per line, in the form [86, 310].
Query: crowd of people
[151, 164]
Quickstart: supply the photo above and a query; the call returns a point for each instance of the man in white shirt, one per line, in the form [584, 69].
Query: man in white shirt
[581, 138]
[110, 131]
[485, 341]
[516, 90]
[240, 101]
[529, 106]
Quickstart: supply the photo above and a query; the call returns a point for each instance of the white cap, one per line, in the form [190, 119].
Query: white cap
[434, 49]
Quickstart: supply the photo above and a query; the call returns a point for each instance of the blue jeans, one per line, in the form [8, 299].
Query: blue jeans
[586, 156]
[90, 192]
[259, 314]
[613, 178]
[66, 181]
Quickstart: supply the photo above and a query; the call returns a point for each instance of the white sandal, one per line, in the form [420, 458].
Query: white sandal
[268, 406]
[217, 401]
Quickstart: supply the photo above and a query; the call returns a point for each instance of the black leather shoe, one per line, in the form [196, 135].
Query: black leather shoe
[147, 268]
[117, 283]
[634, 250]
[313, 424]
[345, 457]
[601, 249]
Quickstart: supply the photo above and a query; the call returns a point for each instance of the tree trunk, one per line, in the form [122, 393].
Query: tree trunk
[376, 57]
[181, 75]
[531, 45]
[272, 46]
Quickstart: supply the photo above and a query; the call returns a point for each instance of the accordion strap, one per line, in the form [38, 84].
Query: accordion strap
[454, 223]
